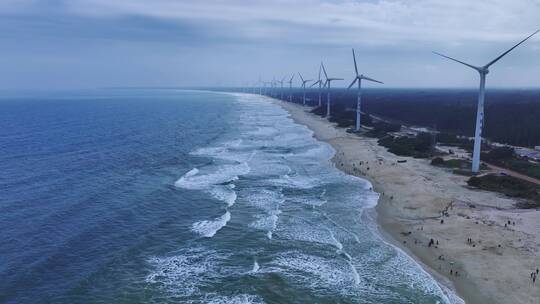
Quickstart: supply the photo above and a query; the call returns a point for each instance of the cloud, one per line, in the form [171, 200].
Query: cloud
[383, 22]
[206, 42]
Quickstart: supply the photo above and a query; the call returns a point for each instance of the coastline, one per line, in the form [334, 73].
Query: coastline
[493, 268]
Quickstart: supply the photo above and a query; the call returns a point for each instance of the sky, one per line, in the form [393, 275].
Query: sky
[72, 44]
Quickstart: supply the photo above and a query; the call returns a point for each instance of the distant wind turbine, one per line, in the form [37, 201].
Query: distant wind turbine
[265, 89]
[359, 94]
[290, 88]
[483, 71]
[259, 82]
[327, 84]
[281, 82]
[304, 87]
[320, 83]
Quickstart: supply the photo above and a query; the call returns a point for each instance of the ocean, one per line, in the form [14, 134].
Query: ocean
[168, 196]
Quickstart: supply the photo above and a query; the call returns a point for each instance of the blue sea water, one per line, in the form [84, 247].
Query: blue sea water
[164, 196]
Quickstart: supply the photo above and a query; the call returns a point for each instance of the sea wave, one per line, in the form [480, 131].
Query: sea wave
[210, 228]
[221, 175]
[310, 210]
[224, 193]
[238, 299]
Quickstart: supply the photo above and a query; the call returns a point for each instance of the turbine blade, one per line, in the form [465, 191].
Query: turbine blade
[324, 70]
[371, 79]
[352, 83]
[515, 46]
[292, 78]
[469, 65]
[315, 83]
[319, 73]
[300, 76]
[354, 58]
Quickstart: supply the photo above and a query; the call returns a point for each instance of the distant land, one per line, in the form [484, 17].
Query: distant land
[511, 115]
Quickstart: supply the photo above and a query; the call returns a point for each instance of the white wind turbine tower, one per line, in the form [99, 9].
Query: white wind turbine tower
[281, 82]
[290, 88]
[259, 82]
[265, 89]
[327, 84]
[304, 87]
[320, 83]
[359, 78]
[483, 71]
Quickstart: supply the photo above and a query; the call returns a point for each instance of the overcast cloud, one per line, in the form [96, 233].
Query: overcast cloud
[96, 43]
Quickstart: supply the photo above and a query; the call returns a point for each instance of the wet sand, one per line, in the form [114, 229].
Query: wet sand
[494, 267]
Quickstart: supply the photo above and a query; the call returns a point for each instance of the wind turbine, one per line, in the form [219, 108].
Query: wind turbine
[304, 87]
[483, 71]
[259, 82]
[320, 83]
[359, 78]
[290, 88]
[327, 84]
[265, 89]
[281, 82]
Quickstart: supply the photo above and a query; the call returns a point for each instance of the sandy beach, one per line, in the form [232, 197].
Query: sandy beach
[472, 252]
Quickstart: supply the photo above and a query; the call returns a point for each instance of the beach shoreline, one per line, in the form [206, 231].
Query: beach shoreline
[492, 268]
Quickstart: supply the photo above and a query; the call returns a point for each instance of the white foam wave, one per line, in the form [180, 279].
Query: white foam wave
[221, 175]
[227, 150]
[267, 223]
[239, 299]
[310, 201]
[337, 243]
[192, 172]
[224, 193]
[265, 199]
[210, 228]
[354, 235]
[297, 181]
[319, 270]
[214, 150]
[269, 201]
[319, 152]
[300, 229]
[256, 267]
[182, 274]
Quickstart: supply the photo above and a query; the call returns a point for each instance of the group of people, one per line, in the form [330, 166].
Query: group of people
[534, 275]
[509, 223]
[470, 242]
[432, 242]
